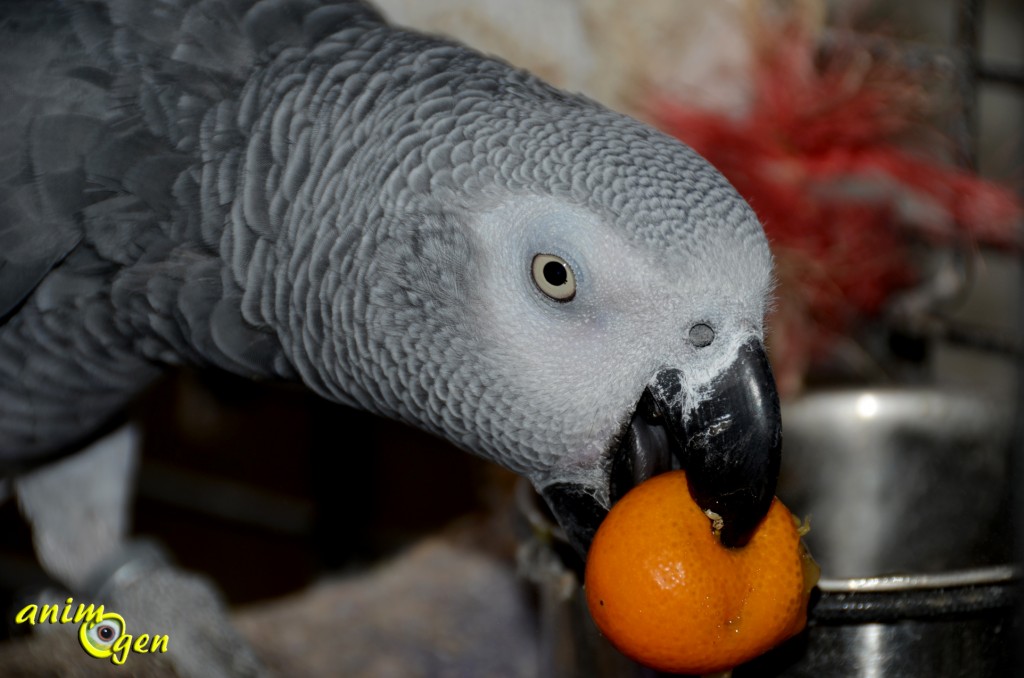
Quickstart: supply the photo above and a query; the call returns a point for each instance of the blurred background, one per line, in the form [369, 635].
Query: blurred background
[881, 143]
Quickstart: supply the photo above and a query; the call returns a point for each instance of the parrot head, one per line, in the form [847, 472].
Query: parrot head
[622, 354]
[572, 294]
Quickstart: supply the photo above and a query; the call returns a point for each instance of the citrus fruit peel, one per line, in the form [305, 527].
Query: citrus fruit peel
[665, 591]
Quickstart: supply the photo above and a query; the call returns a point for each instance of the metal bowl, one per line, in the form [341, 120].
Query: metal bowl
[907, 492]
[898, 481]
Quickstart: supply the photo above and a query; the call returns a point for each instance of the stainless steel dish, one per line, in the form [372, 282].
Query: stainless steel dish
[898, 481]
[907, 491]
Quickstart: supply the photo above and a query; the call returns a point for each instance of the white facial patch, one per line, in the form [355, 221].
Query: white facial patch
[578, 367]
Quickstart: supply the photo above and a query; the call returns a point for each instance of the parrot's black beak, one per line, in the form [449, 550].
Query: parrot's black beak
[730, 445]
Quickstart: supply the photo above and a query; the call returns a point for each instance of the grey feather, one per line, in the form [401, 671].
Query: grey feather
[294, 189]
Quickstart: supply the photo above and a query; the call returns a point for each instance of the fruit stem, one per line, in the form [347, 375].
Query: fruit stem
[717, 523]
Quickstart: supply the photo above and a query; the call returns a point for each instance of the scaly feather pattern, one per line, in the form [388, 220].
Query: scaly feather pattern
[294, 189]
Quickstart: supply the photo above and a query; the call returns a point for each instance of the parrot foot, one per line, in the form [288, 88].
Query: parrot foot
[155, 597]
[78, 508]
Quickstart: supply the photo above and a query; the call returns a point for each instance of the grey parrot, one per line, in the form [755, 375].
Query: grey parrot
[294, 190]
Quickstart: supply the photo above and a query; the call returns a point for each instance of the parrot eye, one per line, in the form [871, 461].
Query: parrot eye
[554, 277]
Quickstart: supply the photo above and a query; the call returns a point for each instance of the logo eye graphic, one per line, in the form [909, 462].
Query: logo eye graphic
[98, 636]
[554, 277]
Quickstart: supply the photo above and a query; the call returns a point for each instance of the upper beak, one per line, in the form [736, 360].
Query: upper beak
[733, 445]
[729, 443]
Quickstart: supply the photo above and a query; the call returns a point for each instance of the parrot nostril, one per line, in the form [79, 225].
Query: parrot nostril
[701, 335]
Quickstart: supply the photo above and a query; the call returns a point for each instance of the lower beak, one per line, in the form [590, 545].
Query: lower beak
[729, 443]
